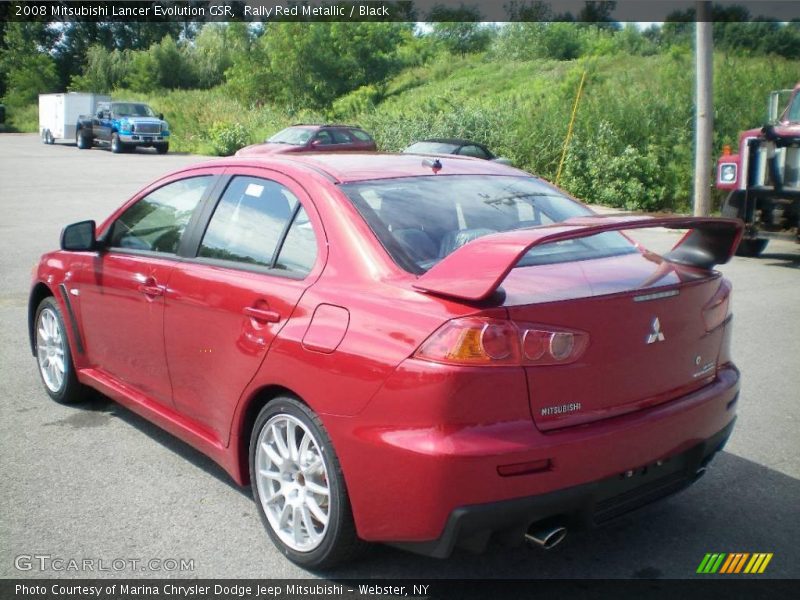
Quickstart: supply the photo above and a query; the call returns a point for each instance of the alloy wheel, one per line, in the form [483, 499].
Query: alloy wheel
[50, 349]
[292, 481]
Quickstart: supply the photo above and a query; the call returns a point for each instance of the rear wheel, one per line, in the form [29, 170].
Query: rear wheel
[53, 355]
[751, 247]
[82, 141]
[299, 487]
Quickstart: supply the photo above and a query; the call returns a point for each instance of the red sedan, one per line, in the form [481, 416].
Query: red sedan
[393, 348]
[313, 138]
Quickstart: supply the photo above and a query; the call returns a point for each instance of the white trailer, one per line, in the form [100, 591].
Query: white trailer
[58, 113]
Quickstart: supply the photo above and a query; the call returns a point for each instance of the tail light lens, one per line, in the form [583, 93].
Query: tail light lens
[479, 341]
[716, 312]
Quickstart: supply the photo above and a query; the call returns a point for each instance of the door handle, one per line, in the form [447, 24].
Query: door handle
[262, 314]
[151, 288]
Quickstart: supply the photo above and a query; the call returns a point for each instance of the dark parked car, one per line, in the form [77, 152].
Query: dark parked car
[454, 146]
[395, 349]
[314, 138]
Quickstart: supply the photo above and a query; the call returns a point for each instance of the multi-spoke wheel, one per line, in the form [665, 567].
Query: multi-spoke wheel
[53, 355]
[298, 486]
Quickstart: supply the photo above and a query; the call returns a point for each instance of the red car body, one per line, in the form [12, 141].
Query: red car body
[434, 455]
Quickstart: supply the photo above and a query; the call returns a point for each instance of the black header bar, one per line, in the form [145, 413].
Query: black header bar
[376, 10]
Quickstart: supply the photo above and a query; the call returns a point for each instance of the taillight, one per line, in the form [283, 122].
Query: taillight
[718, 308]
[481, 341]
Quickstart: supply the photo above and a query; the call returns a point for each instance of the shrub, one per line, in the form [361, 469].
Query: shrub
[227, 138]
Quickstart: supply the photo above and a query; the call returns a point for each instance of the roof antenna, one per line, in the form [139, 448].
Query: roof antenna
[434, 164]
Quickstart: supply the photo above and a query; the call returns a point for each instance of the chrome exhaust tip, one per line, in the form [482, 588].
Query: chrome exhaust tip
[547, 537]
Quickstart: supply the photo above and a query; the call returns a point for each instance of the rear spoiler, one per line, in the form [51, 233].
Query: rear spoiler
[475, 270]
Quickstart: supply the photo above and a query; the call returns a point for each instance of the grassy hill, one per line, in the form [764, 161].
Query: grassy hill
[633, 138]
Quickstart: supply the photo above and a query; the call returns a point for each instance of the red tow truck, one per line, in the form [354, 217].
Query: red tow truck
[764, 177]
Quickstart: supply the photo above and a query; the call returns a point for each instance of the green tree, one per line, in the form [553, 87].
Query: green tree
[104, 70]
[309, 65]
[28, 70]
[459, 30]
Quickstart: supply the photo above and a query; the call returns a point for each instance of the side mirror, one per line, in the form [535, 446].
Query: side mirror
[160, 116]
[79, 237]
[99, 114]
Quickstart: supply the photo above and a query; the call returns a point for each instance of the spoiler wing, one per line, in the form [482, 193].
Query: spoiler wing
[475, 270]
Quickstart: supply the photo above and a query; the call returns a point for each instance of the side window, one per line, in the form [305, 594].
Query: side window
[341, 137]
[793, 114]
[473, 150]
[157, 221]
[248, 222]
[324, 137]
[299, 249]
[360, 135]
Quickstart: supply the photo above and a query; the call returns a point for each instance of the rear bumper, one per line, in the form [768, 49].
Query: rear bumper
[586, 505]
[409, 476]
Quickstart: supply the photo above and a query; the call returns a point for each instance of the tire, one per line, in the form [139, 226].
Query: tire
[83, 142]
[751, 247]
[47, 137]
[117, 145]
[162, 148]
[306, 488]
[51, 341]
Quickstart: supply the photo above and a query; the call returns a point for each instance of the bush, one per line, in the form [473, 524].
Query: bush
[227, 138]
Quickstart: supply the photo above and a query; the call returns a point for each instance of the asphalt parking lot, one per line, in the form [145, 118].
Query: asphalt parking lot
[95, 481]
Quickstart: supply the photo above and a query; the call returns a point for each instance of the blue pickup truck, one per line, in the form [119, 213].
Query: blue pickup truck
[123, 125]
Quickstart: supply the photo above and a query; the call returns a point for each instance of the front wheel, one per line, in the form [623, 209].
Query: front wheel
[299, 487]
[162, 148]
[117, 145]
[53, 355]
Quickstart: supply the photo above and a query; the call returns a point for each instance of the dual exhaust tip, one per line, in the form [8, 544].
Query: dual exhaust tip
[545, 537]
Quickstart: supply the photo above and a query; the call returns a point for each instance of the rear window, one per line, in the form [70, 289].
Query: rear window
[420, 220]
[431, 148]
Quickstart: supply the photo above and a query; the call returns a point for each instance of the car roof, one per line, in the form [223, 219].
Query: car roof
[453, 141]
[347, 167]
[321, 125]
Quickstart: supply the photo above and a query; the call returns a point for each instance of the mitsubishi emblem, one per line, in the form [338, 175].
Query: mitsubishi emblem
[655, 332]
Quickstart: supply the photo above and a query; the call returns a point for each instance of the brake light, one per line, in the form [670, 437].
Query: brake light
[479, 341]
[716, 312]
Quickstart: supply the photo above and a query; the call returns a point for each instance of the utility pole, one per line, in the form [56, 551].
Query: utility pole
[704, 109]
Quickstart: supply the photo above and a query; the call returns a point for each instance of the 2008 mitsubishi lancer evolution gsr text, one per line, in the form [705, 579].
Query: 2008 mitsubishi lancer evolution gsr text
[426, 352]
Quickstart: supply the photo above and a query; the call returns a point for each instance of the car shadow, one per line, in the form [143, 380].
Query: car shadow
[781, 259]
[739, 506]
[103, 406]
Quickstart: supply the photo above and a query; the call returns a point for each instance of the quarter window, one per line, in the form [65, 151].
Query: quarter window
[249, 222]
[156, 222]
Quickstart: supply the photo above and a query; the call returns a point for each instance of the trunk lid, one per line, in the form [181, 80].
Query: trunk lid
[648, 342]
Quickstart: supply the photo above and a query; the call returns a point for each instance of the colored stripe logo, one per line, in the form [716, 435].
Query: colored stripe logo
[734, 563]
